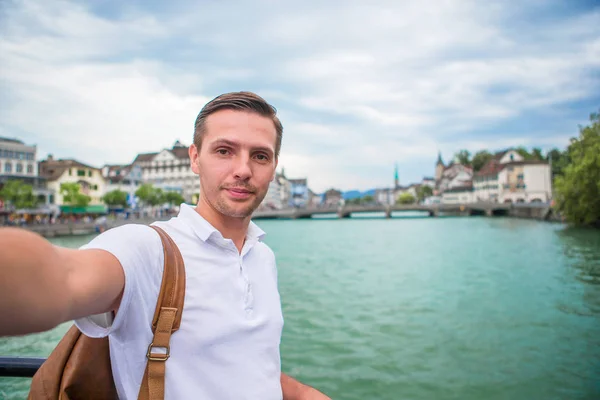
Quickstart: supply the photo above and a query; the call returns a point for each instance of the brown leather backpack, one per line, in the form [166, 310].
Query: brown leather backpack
[79, 367]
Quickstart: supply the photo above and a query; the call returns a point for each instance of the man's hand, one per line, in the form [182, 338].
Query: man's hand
[294, 390]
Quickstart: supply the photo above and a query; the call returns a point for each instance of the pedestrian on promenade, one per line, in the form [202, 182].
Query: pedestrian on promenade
[228, 343]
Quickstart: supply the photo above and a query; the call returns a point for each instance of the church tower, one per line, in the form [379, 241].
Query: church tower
[439, 167]
[396, 177]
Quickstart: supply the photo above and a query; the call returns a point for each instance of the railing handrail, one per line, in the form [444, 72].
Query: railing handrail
[19, 367]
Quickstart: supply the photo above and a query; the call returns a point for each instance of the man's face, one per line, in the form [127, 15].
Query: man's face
[236, 161]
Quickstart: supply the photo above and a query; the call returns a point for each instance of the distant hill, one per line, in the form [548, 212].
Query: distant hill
[354, 194]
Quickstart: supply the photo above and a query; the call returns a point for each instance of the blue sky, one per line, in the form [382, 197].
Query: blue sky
[359, 87]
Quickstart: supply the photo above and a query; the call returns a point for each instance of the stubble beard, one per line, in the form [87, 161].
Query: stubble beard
[223, 207]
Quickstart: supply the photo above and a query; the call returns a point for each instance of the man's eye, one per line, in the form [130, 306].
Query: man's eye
[223, 151]
[262, 157]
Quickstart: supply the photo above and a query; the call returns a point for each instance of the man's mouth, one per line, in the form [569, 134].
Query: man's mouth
[239, 193]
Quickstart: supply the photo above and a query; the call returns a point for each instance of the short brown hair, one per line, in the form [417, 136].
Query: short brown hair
[241, 101]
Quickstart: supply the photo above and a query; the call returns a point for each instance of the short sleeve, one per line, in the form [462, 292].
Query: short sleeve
[139, 251]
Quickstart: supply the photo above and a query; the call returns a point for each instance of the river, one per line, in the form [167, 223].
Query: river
[426, 308]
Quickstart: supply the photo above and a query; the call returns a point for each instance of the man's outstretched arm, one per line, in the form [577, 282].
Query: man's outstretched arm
[294, 390]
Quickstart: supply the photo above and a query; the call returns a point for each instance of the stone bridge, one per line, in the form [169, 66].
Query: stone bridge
[532, 210]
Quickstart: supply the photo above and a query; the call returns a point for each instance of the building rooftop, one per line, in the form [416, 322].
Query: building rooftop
[53, 169]
[11, 140]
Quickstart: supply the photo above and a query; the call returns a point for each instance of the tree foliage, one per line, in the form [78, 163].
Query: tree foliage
[72, 195]
[151, 195]
[173, 198]
[463, 157]
[406, 198]
[424, 192]
[559, 161]
[481, 158]
[578, 189]
[115, 198]
[367, 199]
[19, 194]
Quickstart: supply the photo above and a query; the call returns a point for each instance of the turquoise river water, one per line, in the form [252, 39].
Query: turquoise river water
[426, 308]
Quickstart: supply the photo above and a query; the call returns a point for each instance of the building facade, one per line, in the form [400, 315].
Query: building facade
[333, 198]
[525, 182]
[170, 170]
[298, 193]
[18, 161]
[126, 178]
[90, 179]
[278, 194]
[458, 195]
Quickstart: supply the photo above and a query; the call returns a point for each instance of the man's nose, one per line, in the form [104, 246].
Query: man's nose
[242, 169]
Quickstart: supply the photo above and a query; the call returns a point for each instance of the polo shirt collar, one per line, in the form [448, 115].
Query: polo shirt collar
[204, 230]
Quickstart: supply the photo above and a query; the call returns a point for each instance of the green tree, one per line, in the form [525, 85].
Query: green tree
[19, 194]
[524, 153]
[115, 198]
[578, 189]
[148, 194]
[173, 198]
[406, 198]
[367, 199]
[559, 161]
[481, 158]
[72, 195]
[463, 157]
[157, 198]
[424, 192]
[536, 154]
[144, 192]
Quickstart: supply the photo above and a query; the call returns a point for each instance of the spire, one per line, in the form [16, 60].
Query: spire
[439, 160]
[396, 178]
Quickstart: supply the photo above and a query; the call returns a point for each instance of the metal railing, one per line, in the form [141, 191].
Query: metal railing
[20, 367]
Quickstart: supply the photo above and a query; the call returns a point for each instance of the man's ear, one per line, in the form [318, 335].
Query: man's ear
[194, 154]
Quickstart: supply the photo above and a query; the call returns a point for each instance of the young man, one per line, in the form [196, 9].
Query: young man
[227, 346]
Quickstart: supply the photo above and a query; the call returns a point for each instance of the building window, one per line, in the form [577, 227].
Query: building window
[8, 167]
[19, 168]
[70, 172]
[80, 172]
[95, 187]
[90, 173]
[520, 176]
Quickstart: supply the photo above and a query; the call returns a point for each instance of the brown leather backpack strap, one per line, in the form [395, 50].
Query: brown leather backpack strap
[166, 320]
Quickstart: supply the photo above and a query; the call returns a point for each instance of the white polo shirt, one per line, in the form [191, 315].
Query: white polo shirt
[228, 344]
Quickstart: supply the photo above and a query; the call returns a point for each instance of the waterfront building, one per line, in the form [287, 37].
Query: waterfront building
[170, 170]
[314, 199]
[508, 177]
[453, 175]
[299, 192]
[89, 178]
[428, 181]
[332, 198]
[386, 196]
[525, 182]
[277, 194]
[458, 195]
[126, 178]
[18, 161]
[485, 182]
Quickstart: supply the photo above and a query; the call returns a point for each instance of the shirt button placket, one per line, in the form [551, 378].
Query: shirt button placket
[248, 298]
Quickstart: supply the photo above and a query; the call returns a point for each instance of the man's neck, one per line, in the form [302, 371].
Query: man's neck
[230, 227]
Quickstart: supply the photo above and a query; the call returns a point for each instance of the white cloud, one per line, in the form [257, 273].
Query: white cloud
[359, 86]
